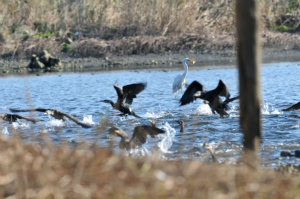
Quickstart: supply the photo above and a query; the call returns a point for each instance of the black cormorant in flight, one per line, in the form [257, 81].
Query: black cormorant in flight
[56, 114]
[138, 138]
[196, 90]
[292, 108]
[14, 118]
[125, 97]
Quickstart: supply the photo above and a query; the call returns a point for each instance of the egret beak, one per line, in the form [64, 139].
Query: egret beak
[193, 61]
[197, 95]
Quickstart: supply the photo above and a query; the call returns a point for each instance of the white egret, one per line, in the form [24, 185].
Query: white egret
[179, 80]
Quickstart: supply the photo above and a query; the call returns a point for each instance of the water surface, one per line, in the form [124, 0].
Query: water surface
[79, 94]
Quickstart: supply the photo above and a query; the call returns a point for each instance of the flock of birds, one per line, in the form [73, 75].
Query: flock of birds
[127, 93]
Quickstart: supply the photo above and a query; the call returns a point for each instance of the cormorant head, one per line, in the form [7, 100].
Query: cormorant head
[208, 147]
[153, 123]
[108, 102]
[116, 131]
[198, 94]
[49, 112]
[180, 122]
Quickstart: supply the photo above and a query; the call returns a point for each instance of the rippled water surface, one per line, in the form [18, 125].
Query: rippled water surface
[79, 94]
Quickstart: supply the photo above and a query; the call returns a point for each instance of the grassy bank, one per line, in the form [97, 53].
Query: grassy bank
[48, 171]
[128, 27]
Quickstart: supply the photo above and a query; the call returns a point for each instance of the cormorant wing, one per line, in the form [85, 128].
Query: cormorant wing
[140, 133]
[28, 110]
[222, 89]
[130, 91]
[292, 108]
[14, 117]
[118, 90]
[75, 120]
[231, 99]
[25, 118]
[189, 93]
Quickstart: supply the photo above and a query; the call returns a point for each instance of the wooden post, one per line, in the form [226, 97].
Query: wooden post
[249, 58]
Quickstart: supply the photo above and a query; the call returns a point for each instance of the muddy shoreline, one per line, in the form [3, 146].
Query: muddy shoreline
[168, 61]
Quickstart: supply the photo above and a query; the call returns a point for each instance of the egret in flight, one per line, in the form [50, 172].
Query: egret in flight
[179, 80]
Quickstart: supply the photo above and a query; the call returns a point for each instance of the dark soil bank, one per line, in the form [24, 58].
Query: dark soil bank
[90, 54]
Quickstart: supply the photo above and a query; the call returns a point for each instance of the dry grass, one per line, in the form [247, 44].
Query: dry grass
[124, 27]
[48, 171]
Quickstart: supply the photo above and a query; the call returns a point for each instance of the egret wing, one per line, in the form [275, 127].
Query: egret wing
[189, 94]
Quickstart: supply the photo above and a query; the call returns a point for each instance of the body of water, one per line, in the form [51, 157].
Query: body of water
[79, 94]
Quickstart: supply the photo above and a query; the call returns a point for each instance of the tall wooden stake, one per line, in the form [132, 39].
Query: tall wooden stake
[249, 58]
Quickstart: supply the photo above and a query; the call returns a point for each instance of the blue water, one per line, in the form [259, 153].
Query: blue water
[79, 94]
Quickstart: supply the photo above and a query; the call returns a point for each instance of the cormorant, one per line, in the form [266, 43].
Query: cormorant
[14, 118]
[125, 97]
[213, 96]
[292, 108]
[56, 114]
[210, 149]
[138, 138]
[181, 122]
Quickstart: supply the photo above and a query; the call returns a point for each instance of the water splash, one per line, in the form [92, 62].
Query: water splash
[168, 138]
[203, 109]
[20, 125]
[157, 114]
[88, 119]
[139, 152]
[267, 109]
[5, 131]
[55, 123]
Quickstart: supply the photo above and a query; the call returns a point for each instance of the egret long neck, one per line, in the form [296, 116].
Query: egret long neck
[186, 68]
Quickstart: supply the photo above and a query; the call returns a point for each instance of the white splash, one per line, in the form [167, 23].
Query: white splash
[88, 119]
[139, 152]
[54, 122]
[168, 138]
[267, 109]
[20, 125]
[159, 114]
[203, 109]
[5, 131]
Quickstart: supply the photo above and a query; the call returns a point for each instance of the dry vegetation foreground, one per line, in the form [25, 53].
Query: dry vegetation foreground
[48, 171]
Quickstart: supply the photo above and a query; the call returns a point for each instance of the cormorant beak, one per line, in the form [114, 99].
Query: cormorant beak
[152, 122]
[197, 94]
[105, 101]
[193, 61]
[208, 147]
[118, 132]
[48, 112]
